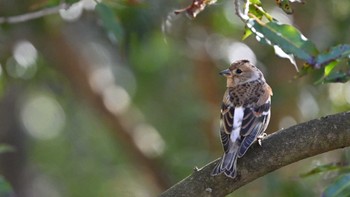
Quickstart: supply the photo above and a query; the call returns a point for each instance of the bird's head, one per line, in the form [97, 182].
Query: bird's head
[240, 72]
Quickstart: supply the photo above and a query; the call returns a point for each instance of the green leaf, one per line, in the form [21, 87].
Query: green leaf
[110, 21]
[327, 71]
[329, 68]
[258, 2]
[336, 77]
[325, 168]
[339, 188]
[5, 187]
[285, 37]
[4, 148]
[255, 11]
[247, 33]
[330, 60]
[285, 6]
[335, 53]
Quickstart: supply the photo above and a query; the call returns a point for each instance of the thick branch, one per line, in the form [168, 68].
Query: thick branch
[278, 149]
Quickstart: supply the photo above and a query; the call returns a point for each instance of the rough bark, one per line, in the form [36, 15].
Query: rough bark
[278, 149]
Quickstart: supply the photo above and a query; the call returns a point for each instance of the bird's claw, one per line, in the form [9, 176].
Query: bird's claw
[260, 137]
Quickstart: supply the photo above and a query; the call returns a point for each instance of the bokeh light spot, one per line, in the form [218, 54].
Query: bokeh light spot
[148, 140]
[100, 78]
[336, 93]
[116, 99]
[286, 122]
[347, 92]
[42, 116]
[238, 51]
[25, 53]
[23, 62]
[73, 13]
[15, 70]
[308, 105]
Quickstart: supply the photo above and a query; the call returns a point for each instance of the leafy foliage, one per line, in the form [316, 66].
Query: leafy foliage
[109, 21]
[293, 43]
[285, 37]
[287, 40]
[341, 187]
[285, 6]
[326, 168]
[334, 54]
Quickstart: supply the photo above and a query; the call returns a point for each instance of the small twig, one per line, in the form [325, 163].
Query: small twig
[256, 19]
[268, 16]
[239, 12]
[33, 15]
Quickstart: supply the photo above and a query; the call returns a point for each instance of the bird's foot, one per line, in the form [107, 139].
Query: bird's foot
[260, 137]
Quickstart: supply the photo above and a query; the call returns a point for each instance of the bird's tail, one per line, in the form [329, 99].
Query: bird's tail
[226, 165]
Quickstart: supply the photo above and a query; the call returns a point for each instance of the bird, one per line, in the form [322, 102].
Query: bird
[245, 113]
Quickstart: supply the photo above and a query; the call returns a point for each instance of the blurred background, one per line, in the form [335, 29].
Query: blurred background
[123, 98]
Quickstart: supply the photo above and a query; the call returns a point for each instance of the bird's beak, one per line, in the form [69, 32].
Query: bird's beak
[225, 73]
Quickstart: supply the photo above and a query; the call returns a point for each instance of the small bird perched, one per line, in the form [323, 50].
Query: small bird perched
[245, 113]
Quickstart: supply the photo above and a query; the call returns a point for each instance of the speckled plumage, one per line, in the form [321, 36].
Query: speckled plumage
[245, 113]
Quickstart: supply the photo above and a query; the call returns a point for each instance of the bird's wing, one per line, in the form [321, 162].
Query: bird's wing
[254, 123]
[231, 122]
[226, 124]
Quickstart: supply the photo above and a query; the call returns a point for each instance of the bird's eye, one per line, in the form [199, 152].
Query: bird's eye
[238, 71]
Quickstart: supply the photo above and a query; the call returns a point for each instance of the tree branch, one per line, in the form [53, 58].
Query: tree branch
[239, 13]
[33, 15]
[278, 149]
